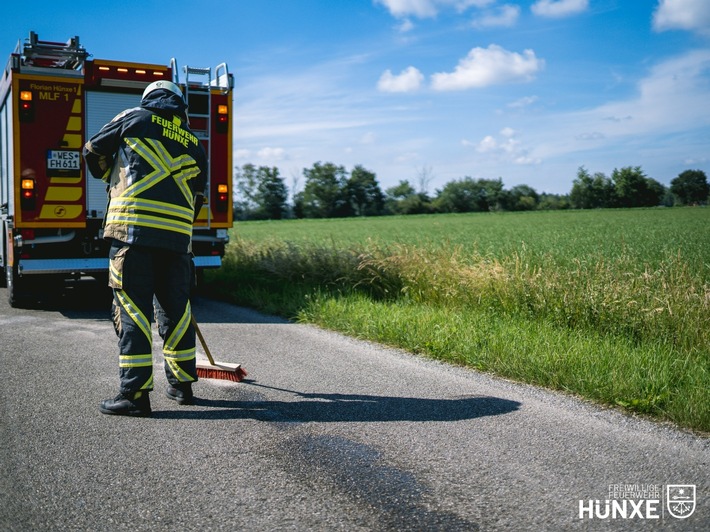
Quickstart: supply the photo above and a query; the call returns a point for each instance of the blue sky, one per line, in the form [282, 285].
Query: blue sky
[429, 90]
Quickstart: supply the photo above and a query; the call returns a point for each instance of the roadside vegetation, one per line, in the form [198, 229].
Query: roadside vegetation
[611, 305]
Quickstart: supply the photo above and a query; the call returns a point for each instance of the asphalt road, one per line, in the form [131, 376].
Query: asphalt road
[327, 433]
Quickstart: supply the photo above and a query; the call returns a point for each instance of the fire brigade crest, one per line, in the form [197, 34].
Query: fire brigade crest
[680, 500]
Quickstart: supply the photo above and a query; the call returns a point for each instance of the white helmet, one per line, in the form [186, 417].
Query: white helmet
[162, 84]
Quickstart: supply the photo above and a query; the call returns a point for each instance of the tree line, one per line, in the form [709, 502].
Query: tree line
[330, 191]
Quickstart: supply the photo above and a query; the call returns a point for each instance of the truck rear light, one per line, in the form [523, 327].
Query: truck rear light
[27, 108]
[222, 195]
[28, 194]
[222, 118]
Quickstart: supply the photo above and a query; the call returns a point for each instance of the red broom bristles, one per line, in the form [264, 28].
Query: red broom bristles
[235, 375]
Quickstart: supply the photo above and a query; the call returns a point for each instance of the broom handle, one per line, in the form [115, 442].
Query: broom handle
[202, 340]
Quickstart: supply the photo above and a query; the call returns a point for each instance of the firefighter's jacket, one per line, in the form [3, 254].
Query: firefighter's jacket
[154, 166]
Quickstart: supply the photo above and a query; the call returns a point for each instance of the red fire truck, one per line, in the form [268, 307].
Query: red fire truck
[53, 98]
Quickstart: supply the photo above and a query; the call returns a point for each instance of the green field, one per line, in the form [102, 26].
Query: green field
[611, 305]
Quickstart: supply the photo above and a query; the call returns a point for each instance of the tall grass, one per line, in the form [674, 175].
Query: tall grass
[668, 303]
[609, 326]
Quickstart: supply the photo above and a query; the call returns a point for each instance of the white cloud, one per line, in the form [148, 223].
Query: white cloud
[271, 154]
[428, 8]
[408, 80]
[593, 135]
[559, 8]
[525, 160]
[405, 8]
[407, 157]
[368, 138]
[693, 15]
[673, 96]
[523, 102]
[483, 67]
[507, 148]
[300, 109]
[505, 17]
[671, 99]
[694, 162]
[488, 144]
[405, 26]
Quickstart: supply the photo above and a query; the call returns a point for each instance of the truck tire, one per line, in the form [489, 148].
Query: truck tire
[16, 288]
[3, 248]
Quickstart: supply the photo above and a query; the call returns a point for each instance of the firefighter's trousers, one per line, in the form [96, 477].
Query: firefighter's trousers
[148, 282]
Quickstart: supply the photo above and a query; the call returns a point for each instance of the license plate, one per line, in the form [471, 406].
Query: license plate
[63, 160]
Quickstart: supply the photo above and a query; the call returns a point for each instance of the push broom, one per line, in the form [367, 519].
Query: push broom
[216, 370]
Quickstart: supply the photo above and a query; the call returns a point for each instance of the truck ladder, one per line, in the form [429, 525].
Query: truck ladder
[69, 55]
[200, 85]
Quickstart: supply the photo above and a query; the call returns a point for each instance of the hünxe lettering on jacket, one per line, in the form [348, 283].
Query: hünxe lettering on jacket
[173, 131]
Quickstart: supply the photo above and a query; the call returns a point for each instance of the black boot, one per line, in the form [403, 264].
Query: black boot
[135, 404]
[181, 392]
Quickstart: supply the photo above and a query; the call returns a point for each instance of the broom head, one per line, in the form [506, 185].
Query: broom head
[220, 370]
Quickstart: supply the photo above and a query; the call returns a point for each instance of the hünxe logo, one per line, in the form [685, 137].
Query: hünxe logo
[680, 500]
[641, 501]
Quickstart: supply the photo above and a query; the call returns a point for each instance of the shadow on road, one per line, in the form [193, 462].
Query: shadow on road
[336, 407]
[88, 298]
[76, 299]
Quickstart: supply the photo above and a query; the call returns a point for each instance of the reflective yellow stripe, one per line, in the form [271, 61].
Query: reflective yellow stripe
[160, 171]
[115, 275]
[130, 209]
[135, 361]
[180, 356]
[179, 331]
[148, 384]
[172, 356]
[184, 174]
[164, 165]
[128, 205]
[135, 313]
[150, 221]
[180, 374]
[182, 177]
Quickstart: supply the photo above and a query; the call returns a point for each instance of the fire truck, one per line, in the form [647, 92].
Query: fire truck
[53, 98]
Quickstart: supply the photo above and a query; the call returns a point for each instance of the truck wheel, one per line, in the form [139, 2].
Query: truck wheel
[3, 277]
[16, 293]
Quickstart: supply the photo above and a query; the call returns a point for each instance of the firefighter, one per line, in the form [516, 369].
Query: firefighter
[156, 171]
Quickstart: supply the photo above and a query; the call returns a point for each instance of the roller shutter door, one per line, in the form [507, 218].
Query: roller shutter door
[101, 107]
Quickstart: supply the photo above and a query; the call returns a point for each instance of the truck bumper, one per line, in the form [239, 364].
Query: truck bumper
[89, 266]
